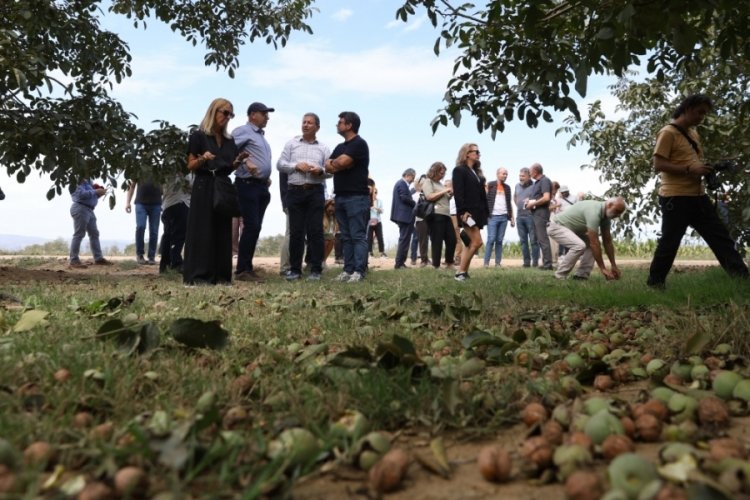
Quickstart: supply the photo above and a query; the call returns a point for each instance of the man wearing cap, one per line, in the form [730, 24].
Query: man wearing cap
[579, 228]
[252, 179]
[349, 164]
[303, 160]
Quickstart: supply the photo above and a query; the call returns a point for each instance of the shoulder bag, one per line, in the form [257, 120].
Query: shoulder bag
[226, 200]
[424, 209]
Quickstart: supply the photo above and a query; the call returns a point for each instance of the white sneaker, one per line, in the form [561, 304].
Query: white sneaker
[355, 277]
[461, 277]
[343, 277]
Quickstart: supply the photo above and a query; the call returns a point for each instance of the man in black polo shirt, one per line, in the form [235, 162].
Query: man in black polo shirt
[349, 165]
[539, 206]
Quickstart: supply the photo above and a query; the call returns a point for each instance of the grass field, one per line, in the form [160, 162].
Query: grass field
[266, 400]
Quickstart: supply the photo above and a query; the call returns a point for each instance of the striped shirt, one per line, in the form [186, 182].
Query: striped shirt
[298, 150]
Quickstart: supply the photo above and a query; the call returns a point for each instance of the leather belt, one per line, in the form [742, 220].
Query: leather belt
[303, 186]
[253, 180]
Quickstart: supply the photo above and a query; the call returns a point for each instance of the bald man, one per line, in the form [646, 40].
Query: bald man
[579, 229]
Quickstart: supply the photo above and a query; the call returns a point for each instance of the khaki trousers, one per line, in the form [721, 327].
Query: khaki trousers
[578, 249]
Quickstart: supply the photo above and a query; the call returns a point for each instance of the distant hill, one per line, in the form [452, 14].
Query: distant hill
[15, 242]
[11, 242]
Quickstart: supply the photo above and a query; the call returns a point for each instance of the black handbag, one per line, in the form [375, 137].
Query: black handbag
[226, 200]
[424, 209]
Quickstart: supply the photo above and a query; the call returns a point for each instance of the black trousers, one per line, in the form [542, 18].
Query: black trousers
[174, 219]
[441, 231]
[405, 230]
[373, 232]
[305, 208]
[541, 218]
[679, 212]
[208, 240]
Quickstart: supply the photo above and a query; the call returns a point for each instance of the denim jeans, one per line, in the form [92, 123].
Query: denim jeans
[254, 199]
[525, 227]
[147, 213]
[84, 221]
[353, 216]
[496, 226]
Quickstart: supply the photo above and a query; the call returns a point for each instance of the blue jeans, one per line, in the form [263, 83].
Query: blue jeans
[353, 215]
[254, 199]
[147, 213]
[84, 221]
[525, 227]
[496, 226]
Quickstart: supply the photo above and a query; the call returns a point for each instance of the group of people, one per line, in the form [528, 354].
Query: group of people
[304, 165]
[549, 221]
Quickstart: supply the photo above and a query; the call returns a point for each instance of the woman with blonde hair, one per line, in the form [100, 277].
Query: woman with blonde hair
[212, 153]
[471, 203]
[439, 224]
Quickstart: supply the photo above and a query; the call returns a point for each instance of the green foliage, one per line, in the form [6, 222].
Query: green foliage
[299, 356]
[70, 127]
[622, 148]
[525, 59]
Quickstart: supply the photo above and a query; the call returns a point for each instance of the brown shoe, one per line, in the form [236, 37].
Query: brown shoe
[249, 276]
[77, 265]
[103, 262]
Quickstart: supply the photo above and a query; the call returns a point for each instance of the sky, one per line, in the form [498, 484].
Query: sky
[360, 58]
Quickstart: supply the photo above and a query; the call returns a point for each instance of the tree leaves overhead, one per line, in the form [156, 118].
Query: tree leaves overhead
[57, 66]
[622, 147]
[519, 58]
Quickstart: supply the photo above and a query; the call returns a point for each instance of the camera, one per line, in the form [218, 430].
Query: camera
[712, 179]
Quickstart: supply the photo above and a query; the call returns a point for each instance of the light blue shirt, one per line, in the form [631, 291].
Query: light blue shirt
[250, 138]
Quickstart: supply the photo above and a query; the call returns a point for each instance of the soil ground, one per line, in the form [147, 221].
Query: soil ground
[340, 481]
[54, 269]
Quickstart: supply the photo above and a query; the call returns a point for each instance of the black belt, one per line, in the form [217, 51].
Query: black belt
[303, 186]
[253, 180]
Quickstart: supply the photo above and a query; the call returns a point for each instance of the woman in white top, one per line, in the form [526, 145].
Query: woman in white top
[376, 224]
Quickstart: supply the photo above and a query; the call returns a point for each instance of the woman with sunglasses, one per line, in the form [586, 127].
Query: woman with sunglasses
[471, 203]
[212, 153]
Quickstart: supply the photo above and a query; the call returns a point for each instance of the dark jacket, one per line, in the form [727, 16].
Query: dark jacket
[402, 204]
[470, 196]
[492, 192]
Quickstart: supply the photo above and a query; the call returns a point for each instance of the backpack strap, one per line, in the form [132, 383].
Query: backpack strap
[692, 142]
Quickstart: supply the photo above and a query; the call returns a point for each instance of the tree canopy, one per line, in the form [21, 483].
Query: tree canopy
[526, 59]
[517, 60]
[57, 65]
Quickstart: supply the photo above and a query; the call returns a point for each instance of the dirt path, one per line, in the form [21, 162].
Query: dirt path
[55, 269]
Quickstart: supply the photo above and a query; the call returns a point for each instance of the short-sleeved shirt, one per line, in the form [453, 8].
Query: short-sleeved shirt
[673, 146]
[541, 186]
[521, 193]
[148, 193]
[353, 180]
[584, 215]
[442, 204]
[225, 154]
[250, 138]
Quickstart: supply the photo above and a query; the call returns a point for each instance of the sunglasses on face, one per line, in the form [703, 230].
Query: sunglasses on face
[475, 151]
[226, 113]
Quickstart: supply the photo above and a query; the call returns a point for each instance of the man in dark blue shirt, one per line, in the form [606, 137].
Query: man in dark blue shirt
[539, 206]
[349, 164]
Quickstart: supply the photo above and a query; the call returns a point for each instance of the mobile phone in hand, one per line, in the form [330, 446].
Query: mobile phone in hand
[470, 222]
